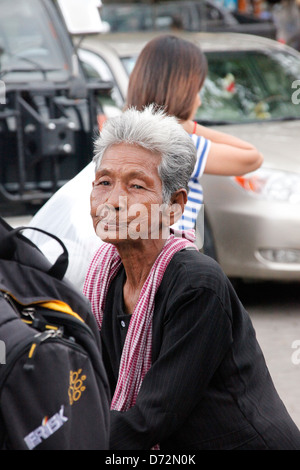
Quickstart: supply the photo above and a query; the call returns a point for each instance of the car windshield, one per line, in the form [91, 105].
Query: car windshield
[29, 49]
[129, 63]
[249, 86]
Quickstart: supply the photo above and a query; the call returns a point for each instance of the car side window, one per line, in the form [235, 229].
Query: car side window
[95, 68]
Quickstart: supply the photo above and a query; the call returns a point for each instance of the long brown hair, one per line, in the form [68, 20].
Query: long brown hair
[169, 72]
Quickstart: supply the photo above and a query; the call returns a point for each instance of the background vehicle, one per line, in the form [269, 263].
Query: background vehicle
[252, 223]
[186, 15]
[48, 112]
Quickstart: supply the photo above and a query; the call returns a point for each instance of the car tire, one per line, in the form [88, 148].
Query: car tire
[209, 249]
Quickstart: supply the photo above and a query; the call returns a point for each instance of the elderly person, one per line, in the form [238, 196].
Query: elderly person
[184, 366]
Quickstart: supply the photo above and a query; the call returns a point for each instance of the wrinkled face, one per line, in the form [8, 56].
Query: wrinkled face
[126, 194]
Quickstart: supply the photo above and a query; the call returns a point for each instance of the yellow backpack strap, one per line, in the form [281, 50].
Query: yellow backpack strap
[60, 307]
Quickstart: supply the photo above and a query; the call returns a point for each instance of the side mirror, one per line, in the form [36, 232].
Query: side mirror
[82, 16]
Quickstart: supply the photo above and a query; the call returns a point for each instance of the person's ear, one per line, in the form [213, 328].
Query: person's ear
[177, 204]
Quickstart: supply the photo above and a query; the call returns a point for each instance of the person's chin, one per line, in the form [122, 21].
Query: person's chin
[111, 232]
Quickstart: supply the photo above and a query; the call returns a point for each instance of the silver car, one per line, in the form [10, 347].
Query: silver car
[252, 223]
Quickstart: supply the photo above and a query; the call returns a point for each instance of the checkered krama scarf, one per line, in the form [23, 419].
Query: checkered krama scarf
[136, 354]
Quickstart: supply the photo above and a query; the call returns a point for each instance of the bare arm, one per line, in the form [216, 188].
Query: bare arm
[228, 155]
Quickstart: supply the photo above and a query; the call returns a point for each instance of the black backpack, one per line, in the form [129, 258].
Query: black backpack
[54, 391]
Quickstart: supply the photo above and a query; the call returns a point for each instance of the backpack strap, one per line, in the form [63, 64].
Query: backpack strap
[12, 239]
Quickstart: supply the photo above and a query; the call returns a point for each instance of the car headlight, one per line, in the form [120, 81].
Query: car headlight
[275, 185]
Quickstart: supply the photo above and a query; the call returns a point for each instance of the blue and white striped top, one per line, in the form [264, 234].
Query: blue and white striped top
[195, 196]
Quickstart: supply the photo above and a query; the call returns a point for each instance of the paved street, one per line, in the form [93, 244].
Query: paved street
[275, 312]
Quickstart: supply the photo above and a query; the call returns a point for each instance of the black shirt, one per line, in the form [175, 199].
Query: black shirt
[208, 386]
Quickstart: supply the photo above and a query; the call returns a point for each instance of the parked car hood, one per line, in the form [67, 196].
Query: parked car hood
[277, 141]
[132, 43]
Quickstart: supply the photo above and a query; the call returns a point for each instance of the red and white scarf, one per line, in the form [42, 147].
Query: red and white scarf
[136, 354]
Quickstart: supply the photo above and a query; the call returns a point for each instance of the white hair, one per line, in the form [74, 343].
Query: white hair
[153, 130]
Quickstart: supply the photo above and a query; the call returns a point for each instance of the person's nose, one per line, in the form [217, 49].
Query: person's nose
[117, 197]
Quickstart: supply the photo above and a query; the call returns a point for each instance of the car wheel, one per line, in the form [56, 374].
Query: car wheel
[209, 249]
